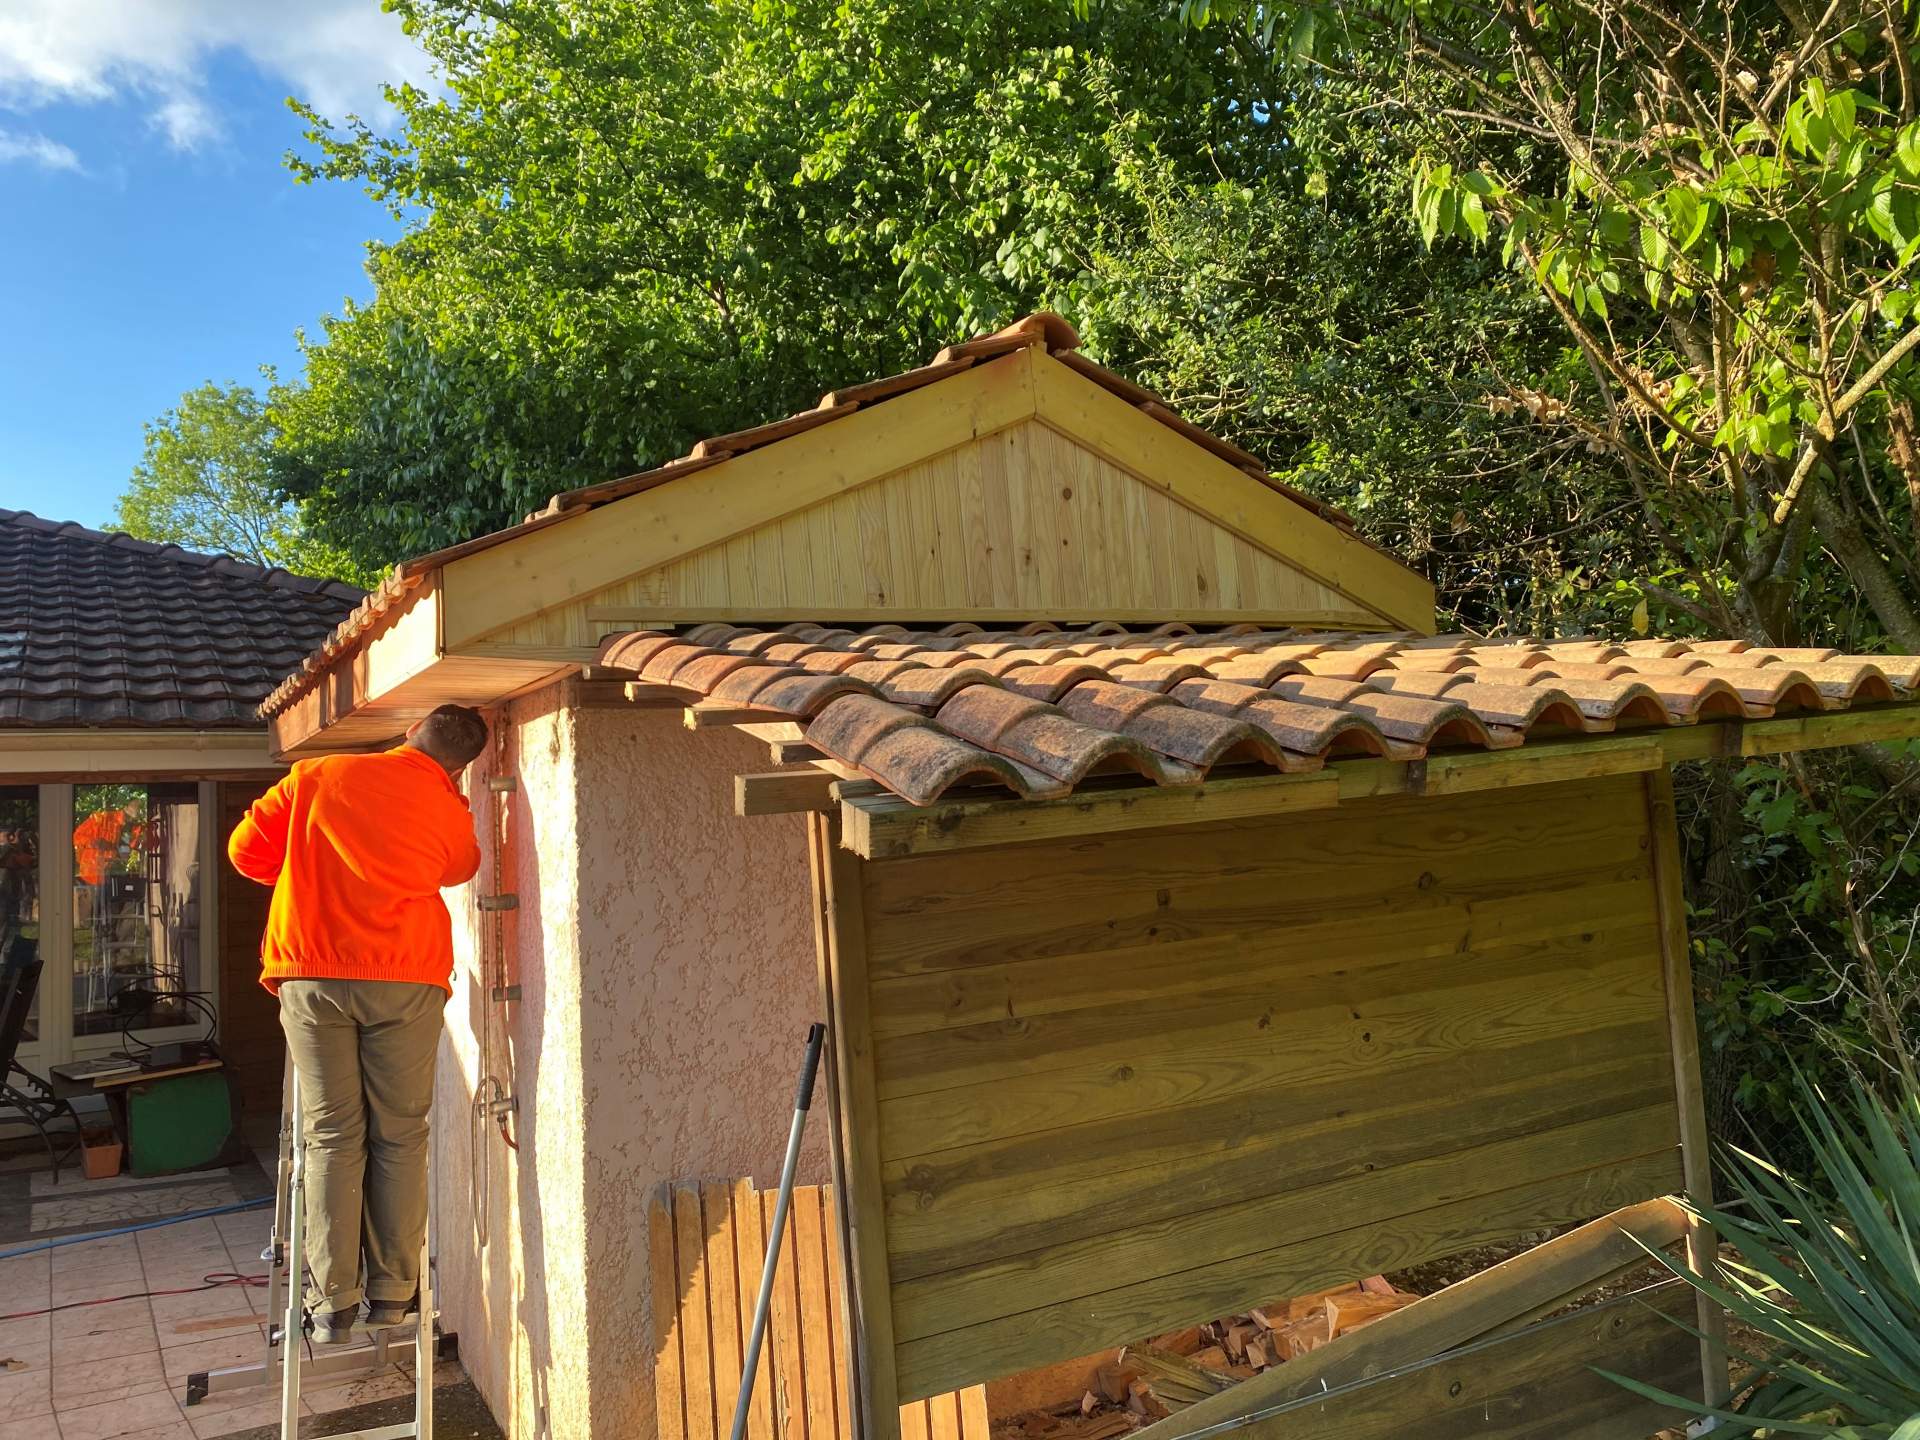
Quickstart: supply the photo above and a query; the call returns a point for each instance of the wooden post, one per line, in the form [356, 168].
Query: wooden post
[1695, 1146]
[855, 1127]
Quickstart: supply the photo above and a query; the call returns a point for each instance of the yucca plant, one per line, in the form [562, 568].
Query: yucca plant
[1827, 1269]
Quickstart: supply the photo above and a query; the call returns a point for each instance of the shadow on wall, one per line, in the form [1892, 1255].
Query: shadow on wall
[510, 1249]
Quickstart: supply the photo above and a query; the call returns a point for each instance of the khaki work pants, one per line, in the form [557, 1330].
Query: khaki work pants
[364, 1050]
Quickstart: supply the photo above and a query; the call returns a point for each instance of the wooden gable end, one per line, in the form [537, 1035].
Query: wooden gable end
[1019, 490]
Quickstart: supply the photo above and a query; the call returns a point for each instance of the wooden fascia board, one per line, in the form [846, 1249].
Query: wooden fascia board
[886, 827]
[1159, 456]
[486, 592]
[406, 644]
[29, 755]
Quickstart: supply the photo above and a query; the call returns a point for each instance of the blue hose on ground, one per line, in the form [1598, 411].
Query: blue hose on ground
[130, 1229]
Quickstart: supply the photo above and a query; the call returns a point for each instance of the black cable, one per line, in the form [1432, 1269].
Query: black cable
[215, 1280]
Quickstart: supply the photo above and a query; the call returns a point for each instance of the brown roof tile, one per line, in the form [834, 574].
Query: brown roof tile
[1038, 709]
[105, 630]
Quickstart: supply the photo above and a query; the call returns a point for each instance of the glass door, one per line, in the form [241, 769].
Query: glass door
[138, 943]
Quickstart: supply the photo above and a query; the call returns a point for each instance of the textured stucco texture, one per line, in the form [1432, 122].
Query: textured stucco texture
[664, 950]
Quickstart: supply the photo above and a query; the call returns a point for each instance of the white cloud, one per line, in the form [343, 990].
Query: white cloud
[36, 150]
[335, 53]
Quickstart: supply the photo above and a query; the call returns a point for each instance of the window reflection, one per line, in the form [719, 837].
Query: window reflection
[136, 905]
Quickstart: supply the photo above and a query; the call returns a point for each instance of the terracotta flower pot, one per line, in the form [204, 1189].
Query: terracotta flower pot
[100, 1154]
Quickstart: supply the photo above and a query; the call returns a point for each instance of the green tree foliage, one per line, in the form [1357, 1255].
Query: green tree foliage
[631, 226]
[1721, 201]
[203, 484]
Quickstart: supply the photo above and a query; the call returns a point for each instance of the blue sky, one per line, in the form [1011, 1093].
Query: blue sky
[150, 237]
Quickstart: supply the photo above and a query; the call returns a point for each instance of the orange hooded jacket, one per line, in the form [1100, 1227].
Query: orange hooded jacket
[357, 849]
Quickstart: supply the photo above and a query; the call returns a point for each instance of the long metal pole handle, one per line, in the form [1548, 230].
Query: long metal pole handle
[802, 1102]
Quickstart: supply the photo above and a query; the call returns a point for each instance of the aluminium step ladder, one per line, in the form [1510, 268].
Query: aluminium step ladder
[297, 1362]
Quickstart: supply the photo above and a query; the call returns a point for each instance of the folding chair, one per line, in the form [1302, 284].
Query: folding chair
[20, 1088]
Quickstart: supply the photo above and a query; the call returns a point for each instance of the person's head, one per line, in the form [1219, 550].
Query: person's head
[451, 734]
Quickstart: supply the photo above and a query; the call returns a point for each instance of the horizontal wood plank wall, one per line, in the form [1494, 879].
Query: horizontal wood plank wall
[1024, 523]
[708, 1245]
[1138, 1081]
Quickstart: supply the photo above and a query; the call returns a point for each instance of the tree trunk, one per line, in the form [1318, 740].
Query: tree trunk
[1841, 532]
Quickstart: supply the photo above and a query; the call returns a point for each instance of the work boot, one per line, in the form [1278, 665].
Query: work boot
[385, 1314]
[334, 1327]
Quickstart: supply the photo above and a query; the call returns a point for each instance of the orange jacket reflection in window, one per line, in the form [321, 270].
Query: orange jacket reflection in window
[96, 844]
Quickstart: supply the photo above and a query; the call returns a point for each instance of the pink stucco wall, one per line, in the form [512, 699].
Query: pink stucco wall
[666, 957]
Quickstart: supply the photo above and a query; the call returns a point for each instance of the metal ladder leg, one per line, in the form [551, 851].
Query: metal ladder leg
[292, 1335]
[423, 1342]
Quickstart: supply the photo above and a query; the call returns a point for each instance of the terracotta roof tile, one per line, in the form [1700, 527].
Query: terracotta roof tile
[105, 630]
[1038, 709]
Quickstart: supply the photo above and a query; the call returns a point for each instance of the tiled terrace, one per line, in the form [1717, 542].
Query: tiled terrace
[118, 1371]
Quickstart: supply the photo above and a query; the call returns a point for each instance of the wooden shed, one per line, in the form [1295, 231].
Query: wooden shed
[1194, 926]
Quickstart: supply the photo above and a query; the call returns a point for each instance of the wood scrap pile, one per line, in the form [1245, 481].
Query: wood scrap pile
[1138, 1384]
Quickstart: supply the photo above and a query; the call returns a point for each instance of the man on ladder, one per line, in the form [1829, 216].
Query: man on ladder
[359, 950]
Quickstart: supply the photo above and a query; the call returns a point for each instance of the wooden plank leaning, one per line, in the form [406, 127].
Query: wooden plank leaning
[1491, 1302]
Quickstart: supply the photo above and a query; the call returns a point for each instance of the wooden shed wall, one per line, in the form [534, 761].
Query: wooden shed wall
[1126, 1084]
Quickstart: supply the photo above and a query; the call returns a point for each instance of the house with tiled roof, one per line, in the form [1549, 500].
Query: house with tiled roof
[131, 676]
[1193, 925]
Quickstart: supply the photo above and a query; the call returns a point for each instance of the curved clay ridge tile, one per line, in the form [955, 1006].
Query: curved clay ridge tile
[1041, 737]
[1306, 734]
[705, 672]
[1124, 655]
[756, 642]
[1614, 701]
[1803, 656]
[1432, 660]
[719, 447]
[925, 688]
[825, 661]
[1582, 669]
[1673, 665]
[1258, 668]
[666, 662]
[1507, 675]
[1432, 683]
[1343, 666]
[1587, 652]
[1412, 720]
[1902, 671]
[878, 672]
[1701, 696]
[632, 650]
[1049, 682]
[911, 757]
[1191, 736]
[1772, 687]
[1849, 681]
[713, 632]
[741, 686]
[889, 385]
[1156, 674]
[806, 695]
[788, 651]
[1718, 647]
[1655, 649]
[1525, 707]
